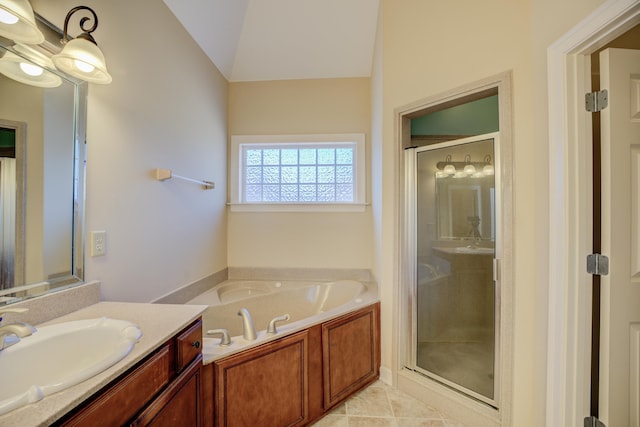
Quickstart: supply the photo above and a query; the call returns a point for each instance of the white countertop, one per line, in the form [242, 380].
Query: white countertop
[158, 322]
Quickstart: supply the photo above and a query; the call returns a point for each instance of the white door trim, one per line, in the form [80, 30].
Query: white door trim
[570, 204]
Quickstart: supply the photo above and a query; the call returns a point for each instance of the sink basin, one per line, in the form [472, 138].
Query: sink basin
[474, 250]
[59, 356]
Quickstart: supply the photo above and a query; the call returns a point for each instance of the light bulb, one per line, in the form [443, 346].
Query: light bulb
[469, 169]
[83, 66]
[488, 170]
[7, 17]
[31, 69]
[449, 169]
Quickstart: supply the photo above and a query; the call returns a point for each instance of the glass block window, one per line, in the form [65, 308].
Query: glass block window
[299, 171]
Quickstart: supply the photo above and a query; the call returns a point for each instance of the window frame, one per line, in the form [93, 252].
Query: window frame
[236, 172]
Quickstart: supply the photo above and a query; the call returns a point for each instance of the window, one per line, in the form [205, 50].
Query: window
[298, 172]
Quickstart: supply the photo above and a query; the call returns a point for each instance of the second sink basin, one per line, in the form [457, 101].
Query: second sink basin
[62, 355]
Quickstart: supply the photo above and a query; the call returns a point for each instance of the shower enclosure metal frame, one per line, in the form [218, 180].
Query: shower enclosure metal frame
[411, 265]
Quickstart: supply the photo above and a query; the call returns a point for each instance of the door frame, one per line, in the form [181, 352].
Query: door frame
[570, 209]
[467, 410]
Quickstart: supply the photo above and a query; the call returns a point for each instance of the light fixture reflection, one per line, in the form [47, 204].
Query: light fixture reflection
[33, 71]
[81, 57]
[18, 23]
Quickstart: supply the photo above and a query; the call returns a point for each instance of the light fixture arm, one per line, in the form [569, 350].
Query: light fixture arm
[86, 31]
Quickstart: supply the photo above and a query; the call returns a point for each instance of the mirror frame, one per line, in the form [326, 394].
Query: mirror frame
[51, 46]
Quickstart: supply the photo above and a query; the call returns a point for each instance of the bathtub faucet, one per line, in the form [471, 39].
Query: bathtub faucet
[272, 324]
[225, 339]
[248, 328]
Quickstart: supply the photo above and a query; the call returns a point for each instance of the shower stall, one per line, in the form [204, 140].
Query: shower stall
[452, 238]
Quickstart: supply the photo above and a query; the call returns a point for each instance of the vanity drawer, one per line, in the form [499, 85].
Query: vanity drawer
[122, 401]
[188, 345]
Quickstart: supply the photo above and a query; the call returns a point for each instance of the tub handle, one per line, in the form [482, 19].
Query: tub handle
[225, 339]
[272, 324]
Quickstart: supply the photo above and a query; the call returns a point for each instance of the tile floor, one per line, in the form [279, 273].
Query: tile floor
[380, 405]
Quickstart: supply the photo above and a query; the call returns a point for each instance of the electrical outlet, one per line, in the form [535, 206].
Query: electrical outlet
[98, 243]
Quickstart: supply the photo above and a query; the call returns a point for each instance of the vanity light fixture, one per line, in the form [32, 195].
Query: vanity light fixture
[469, 169]
[18, 23]
[34, 72]
[449, 169]
[465, 168]
[488, 168]
[81, 57]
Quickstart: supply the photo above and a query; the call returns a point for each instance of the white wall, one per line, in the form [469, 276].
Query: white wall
[21, 109]
[301, 240]
[165, 108]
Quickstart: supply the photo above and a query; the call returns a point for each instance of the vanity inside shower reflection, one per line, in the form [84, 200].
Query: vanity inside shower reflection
[455, 322]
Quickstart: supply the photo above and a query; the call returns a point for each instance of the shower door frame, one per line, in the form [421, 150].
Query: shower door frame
[468, 410]
[411, 161]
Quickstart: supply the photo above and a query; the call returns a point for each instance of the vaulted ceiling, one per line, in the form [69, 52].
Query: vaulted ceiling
[252, 40]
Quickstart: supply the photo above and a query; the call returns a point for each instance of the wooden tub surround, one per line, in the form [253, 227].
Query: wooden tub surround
[297, 379]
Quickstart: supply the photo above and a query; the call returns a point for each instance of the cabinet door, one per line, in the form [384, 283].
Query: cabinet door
[265, 386]
[118, 403]
[180, 404]
[351, 353]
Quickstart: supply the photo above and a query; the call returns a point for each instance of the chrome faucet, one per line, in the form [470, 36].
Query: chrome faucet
[11, 333]
[248, 328]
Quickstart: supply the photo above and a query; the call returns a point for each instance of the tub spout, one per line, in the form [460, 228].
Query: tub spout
[272, 324]
[248, 328]
[225, 339]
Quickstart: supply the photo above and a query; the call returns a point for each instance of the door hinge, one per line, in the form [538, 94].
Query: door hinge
[596, 101]
[593, 422]
[598, 264]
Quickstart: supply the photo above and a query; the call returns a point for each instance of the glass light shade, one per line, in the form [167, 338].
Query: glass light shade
[33, 72]
[18, 23]
[488, 170]
[80, 54]
[460, 174]
[469, 169]
[449, 169]
[441, 174]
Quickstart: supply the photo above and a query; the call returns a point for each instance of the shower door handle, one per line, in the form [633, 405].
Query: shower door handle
[496, 269]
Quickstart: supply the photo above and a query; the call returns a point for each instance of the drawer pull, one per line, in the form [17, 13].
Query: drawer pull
[195, 344]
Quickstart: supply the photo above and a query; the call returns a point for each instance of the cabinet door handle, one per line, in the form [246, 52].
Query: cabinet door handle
[195, 344]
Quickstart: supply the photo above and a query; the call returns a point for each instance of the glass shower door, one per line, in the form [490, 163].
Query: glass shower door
[455, 313]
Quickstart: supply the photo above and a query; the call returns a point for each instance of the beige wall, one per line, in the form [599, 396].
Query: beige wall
[431, 48]
[301, 240]
[165, 108]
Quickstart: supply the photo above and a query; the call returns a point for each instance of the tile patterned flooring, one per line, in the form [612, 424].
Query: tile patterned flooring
[380, 405]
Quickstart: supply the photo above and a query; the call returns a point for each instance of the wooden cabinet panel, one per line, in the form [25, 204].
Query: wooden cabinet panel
[180, 404]
[123, 400]
[189, 345]
[265, 386]
[350, 350]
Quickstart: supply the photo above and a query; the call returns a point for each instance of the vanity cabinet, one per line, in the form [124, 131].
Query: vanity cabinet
[164, 389]
[295, 380]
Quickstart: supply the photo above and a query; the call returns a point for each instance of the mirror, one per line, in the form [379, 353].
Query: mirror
[465, 201]
[42, 134]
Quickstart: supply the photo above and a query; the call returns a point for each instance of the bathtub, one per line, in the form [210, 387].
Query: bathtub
[306, 302]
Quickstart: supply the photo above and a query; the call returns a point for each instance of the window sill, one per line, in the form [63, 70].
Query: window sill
[297, 207]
